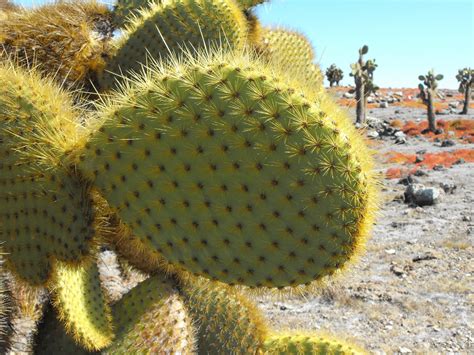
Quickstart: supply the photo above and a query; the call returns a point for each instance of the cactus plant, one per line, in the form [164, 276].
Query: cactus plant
[215, 164]
[466, 83]
[6, 5]
[363, 71]
[171, 26]
[152, 319]
[334, 75]
[124, 10]
[427, 93]
[60, 38]
[309, 344]
[292, 51]
[209, 167]
[81, 305]
[45, 210]
[226, 321]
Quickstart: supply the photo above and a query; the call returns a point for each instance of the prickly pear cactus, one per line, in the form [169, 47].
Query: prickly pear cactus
[221, 157]
[306, 345]
[45, 210]
[170, 26]
[219, 161]
[63, 39]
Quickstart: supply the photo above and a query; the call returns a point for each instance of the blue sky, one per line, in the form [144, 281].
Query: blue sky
[406, 37]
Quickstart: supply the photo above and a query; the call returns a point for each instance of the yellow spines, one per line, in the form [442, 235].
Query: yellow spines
[45, 209]
[169, 27]
[308, 344]
[58, 37]
[291, 50]
[81, 305]
[152, 319]
[227, 322]
[6, 5]
[5, 308]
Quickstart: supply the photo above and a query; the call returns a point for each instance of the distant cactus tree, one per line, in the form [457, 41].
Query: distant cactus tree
[363, 73]
[428, 90]
[334, 75]
[466, 83]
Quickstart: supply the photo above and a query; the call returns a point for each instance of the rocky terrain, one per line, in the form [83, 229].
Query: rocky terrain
[412, 290]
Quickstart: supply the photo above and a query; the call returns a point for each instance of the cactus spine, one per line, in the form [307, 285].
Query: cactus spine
[334, 75]
[427, 93]
[466, 83]
[363, 72]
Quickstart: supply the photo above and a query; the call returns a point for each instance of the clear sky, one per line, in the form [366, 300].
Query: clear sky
[406, 37]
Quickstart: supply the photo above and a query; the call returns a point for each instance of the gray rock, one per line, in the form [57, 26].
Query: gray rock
[439, 167]
[400, 134]
[448, 188]
[459, 161]
[419, 195]
[447, 143]
[401, 140]
[419, 158]
[383, 104]
[420, 173]
[348, 95]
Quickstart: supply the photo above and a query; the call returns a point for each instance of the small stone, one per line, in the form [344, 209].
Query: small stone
[383, 104]
[407, 180]
[448, 188]
[348, 95]
[426, 256]
[439, 167]
[401, 140]
[404, 350]
[398, 271]
[466, 218]
[419, 158]
[420, 173]
[459, 161]
[422, 151]
[420, 195]
[373, 134]
[390, 251]
[447, 143]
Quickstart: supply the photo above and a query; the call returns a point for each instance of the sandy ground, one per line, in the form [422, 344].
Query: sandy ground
[412, 291]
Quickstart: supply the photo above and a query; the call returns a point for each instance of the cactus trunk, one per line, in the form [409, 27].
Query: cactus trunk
[361, 101]
[431, 113]
[467, 100]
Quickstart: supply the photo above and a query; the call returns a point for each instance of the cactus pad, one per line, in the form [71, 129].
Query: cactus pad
[291, 50]
[182, 23]
[229, 172]
[45, 211]
[226, 321]
[81, 305]
[247, 4]
[60, 38]
[152, 319]
[125, 9]
[306, 345]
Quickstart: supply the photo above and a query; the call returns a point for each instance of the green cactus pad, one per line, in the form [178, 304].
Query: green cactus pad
[51, 337]
[45, 210]
[152, 319]
[125, 9]
[291, 50]
[283, 344]
[229, 172]
[182, 23]
[81, 305]
[226, 321]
